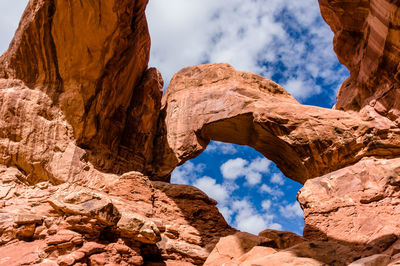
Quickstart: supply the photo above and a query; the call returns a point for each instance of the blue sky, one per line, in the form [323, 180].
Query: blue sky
[10, 13]
[284, 40]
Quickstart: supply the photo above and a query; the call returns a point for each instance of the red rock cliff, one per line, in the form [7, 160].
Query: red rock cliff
[79, 109]
[367, 42]
[90, 61]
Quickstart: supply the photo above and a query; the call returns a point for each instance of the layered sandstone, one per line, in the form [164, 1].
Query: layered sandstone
[129, 222]
[75, 83]
[217, 102]
[80, 110]
[367, 42]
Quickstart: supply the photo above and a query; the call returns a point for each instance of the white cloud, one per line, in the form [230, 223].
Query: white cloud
[253, 178]
[252, 223]
[190, 32]
[10, 13]
[276, 193]
[226, 212]
[186, 173]
[249, 220]
[212, 189]
[260, 165]
[281, 38]
[277, 178]
[235, 168]
[291, 210]
[266, 204]
[221, 147]
[300, 88]
[275, 226]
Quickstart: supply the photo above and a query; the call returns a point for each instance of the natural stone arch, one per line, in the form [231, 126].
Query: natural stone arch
[40, 136]
[216, 102]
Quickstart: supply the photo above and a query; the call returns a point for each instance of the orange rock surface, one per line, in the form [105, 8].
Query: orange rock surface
[367, 42]
[68, 83]
[85, 132]
[128, 222]
[217, 102]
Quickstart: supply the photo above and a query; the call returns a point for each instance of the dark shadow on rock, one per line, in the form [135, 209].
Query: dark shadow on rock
[200, 211]
[197, 209]
[332, 251]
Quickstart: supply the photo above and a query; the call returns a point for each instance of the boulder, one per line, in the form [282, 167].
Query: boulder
[374, 260]
[356, 204]
[231, 248]
[282, 239]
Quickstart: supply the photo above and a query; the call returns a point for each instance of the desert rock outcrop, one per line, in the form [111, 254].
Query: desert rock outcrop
[131, 221]
[357, 204]
[245, 250]
[71, 82]
[367, 42]
[85, 133]
[79, 107]
[217, 102]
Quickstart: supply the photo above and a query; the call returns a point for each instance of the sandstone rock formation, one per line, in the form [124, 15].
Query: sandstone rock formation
[131, 221]
[217, 102]
[246, 250]
[367, 42]
[235, 246]
[71, 82]
[78, 107]
[85, 133]
[358, 204]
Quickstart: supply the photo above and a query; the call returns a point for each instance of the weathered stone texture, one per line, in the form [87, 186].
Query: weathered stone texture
[367, 42]
[84, 66]
[217, 102]
[129, 222]
[80, 110]
[357, 204]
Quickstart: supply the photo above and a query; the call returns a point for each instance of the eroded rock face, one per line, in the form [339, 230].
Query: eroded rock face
[357, 204]
[74, 75]
[78, 108]
[354, 208]
[367, 42]
[231, 248]
[245, 250]
[217, 102]
[129, 222]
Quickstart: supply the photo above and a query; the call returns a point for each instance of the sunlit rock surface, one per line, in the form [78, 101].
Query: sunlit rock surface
[217, 102]
[75, 84]
[85, 132]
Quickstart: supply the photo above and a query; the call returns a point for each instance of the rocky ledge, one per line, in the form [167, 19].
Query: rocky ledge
[132, 221]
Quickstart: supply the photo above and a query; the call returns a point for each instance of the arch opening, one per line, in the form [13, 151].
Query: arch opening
[252, 193]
